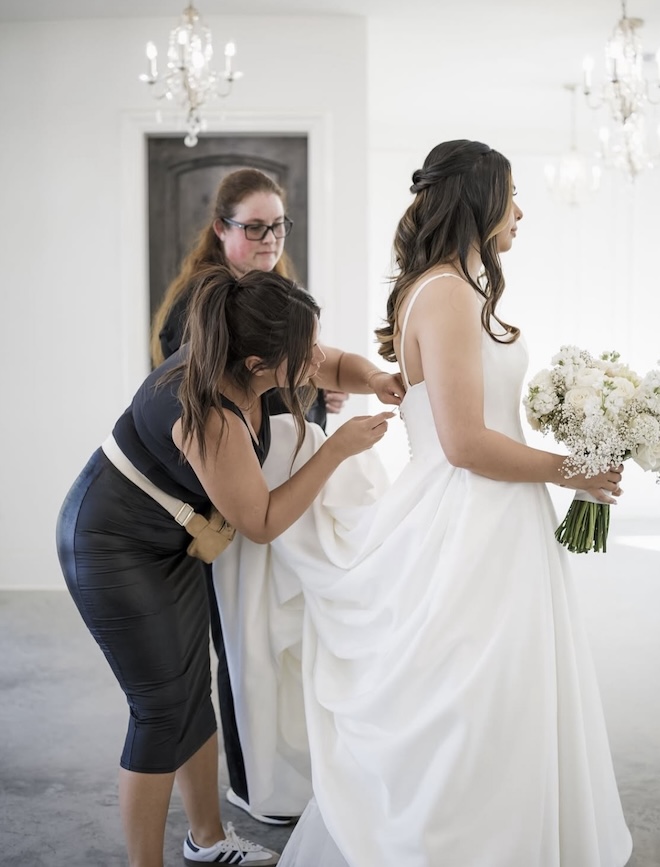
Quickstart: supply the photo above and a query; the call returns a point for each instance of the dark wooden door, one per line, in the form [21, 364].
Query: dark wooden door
[182, 186]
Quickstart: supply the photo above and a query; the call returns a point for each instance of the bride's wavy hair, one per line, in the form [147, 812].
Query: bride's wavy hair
[462, 200]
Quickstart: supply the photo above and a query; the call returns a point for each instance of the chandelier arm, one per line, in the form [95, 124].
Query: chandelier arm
[222, 93]
[593, 102]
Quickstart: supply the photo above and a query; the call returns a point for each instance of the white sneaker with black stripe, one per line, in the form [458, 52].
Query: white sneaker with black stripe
[237, 801]
[232, 850]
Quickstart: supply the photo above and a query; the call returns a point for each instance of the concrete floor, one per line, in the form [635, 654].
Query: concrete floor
[62, 725]
[62, 722]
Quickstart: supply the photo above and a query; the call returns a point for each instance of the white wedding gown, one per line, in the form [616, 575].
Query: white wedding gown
[452, 709]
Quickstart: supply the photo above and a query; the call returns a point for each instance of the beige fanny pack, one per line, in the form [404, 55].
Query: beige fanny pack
[210, 536]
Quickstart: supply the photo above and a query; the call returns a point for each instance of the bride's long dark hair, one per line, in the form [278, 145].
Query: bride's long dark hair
[462, 199]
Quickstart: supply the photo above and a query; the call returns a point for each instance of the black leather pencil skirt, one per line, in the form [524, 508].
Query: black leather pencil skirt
[145, 602]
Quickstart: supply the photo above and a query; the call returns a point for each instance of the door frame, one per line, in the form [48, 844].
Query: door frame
[133, 212]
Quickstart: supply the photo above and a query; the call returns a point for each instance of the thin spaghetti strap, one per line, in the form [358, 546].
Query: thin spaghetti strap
[404, 373]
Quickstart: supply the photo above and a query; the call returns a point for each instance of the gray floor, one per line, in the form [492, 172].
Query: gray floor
[62, 719]
[62, 725]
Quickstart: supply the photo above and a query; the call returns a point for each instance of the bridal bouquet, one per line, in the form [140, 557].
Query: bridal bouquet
[603, 412]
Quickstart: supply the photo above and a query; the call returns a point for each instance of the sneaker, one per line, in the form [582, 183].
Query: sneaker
[232, 850]
[237, 801]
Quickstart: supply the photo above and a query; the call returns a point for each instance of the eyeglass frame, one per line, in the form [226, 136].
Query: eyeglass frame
[286, 222]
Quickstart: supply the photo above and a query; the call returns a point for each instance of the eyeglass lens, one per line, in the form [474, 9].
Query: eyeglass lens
[258, 233]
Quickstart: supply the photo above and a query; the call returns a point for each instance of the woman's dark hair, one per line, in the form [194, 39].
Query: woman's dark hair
[230, 319]
[462, 198]
[234, 188]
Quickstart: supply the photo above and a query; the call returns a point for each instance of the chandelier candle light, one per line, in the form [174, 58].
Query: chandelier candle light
[189, 78]
[572, 179]
[627, 94]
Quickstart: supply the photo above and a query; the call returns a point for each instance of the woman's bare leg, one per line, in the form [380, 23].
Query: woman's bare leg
[197, 780]
[144, 800]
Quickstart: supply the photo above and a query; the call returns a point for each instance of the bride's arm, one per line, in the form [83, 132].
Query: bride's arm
[447, 326]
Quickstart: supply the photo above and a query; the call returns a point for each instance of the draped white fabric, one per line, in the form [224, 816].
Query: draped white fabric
[452, 708]
[261, 608]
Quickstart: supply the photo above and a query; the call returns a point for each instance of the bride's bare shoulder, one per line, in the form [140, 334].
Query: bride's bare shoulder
[436, 289]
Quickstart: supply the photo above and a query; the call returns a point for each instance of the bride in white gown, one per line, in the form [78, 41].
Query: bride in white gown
[452, 708]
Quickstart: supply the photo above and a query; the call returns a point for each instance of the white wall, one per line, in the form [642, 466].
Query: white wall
[73, 262]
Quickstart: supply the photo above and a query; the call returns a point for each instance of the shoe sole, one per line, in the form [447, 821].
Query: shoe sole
[237, 801]
[190, 862]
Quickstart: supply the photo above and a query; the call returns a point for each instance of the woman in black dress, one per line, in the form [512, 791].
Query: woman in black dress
[198, 430]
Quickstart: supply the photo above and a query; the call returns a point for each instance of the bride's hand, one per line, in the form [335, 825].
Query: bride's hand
[604, 487]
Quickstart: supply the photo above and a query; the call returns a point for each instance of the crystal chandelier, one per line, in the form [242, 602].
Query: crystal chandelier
[573, 178]
[627, 94]
[189, 79]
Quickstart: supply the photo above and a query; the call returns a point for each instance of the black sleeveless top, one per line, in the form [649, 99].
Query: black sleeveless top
[144, 434]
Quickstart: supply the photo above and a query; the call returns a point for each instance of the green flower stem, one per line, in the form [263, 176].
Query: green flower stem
[585, 527]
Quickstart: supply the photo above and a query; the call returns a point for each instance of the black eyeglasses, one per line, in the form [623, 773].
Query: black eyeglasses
[257, 231]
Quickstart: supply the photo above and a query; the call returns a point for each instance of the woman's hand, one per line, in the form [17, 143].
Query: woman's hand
[334, 400]
[604, 487]
[358, 434]
[388, 387]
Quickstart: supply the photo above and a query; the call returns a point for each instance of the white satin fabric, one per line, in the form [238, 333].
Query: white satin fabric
[261, 608]
[452, 709]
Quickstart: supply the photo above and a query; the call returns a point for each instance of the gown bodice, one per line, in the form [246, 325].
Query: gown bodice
[504, 368]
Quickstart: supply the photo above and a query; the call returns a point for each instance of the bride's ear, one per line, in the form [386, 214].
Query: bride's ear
[219, 230]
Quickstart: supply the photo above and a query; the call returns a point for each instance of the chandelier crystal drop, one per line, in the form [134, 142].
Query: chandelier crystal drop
[189, 79]
[629, 98]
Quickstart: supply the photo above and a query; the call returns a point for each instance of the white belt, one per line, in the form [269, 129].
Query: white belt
[180, 511]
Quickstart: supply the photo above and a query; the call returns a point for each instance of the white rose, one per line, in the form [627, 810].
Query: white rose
[619, 370]
[624, 386]
[589, 377]
[647, 455]
[579, 398]
[644, 439]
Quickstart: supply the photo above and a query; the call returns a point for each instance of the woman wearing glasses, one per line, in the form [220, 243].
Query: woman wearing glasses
[247, 232]
[268, 771]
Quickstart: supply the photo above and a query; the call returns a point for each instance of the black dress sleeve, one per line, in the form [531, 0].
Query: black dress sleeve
[171, 334]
